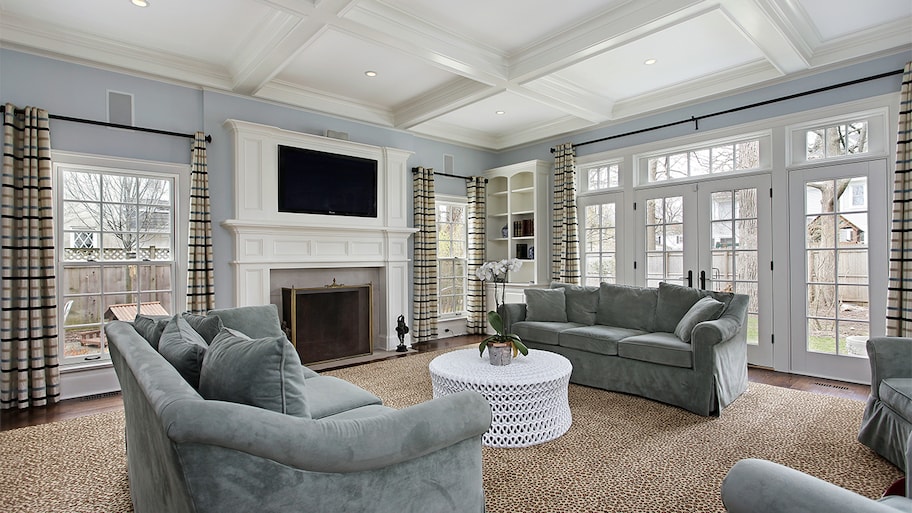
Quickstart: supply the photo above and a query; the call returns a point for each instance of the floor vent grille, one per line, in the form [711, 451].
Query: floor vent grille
[99, 396]
[840, 387]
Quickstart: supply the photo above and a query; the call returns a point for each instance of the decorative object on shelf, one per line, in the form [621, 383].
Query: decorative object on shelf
[501, 346]
[531, 252]
[504, 232]
[401, 330]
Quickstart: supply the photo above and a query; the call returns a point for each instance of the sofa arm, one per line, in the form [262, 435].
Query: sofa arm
[510, 313]
[760, 486]
[890, 357]
[347, 445]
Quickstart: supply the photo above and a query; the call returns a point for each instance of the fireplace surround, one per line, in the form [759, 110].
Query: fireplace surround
[267, 241]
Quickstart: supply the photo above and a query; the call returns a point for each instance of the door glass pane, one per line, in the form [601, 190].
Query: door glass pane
[732, 246]
[836, 222]
[665, 240]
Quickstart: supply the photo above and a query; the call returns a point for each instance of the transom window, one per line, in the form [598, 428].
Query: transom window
[601, 176]
[451, 258]
[118, 259]
[837, 140]
[720, 158]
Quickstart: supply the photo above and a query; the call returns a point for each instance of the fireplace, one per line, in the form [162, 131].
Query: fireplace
[269, 245]
[330, 322]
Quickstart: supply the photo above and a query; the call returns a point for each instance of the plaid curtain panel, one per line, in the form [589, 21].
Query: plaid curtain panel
[29, 366]
[565, 246]
[899, 299]
[424, 300]
[475, 217]
[200, 267]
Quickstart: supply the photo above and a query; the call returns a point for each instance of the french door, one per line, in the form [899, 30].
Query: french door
[713, 235]
[839, 250]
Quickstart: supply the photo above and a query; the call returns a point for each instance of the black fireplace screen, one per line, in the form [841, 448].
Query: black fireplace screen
[329, 323]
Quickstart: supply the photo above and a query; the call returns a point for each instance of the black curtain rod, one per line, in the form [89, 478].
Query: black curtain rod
[117, 125]
[415, 170]
[696, 119]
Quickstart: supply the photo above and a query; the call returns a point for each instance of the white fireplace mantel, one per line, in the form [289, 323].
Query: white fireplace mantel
[267, 239]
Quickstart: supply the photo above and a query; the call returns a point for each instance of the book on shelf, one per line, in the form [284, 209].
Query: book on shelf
[522, 251]
[524, 228]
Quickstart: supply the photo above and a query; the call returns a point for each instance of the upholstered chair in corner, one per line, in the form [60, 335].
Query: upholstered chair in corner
[887, 421]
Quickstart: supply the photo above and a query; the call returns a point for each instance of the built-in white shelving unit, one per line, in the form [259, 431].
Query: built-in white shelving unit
[518, 221]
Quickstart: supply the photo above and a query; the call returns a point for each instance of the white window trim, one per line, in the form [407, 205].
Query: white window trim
[181, 194]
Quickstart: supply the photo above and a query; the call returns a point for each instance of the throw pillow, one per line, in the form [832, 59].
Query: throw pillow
[184, 348]
[150, 328]
[547, 305]
[256, 321]
[705, 309]
[208, 327]
[674, 302]
[582, 302]
[264, 372]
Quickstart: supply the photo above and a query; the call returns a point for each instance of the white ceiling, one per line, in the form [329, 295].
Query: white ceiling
[445, 68]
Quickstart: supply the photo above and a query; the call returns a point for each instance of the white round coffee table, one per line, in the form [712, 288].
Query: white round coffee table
[528, 397]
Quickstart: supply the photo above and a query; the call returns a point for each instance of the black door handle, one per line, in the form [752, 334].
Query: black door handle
[690, 278]
[703, 280]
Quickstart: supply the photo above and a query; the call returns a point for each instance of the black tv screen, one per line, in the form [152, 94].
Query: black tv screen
[315, 182]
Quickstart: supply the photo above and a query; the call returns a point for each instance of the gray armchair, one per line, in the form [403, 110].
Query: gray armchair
[760, 486]
[887, 420]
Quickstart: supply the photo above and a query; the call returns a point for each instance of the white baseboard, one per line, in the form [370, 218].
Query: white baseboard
[85, 382]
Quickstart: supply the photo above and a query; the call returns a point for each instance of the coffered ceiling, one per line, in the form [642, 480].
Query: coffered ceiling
[492, 74]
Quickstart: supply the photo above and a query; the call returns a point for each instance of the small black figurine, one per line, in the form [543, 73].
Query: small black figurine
[401, 329]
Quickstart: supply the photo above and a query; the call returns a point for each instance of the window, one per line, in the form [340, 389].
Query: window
[837, 140]
[601, 176]
[451, 257]
[118, 258]
[721, 158]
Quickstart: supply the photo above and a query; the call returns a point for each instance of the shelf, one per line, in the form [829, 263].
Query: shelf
[523, 213]
[524, 189]
[505, 214]
[526, 237]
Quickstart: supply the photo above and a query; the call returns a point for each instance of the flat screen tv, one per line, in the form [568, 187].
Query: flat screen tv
[315, 182]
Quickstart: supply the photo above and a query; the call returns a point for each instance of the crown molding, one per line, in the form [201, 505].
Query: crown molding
[318, 101]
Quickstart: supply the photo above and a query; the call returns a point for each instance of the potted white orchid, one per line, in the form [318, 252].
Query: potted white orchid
[501, 346]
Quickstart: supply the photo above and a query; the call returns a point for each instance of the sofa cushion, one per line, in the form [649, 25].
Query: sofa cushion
[596, 339]
[546, 305]
[151, 327]
[208, 327]
[661, 348]
[541, 332]
[706, 309]
[897, 394]
[184, 348]
[626, 306]
[582, 302]
[328, 395]
[256, 321]
[263, 372]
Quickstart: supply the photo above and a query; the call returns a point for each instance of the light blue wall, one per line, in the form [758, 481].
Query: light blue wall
[79, 91]
[836, 96]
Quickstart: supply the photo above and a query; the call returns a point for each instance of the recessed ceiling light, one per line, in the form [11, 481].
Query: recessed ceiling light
[649, 62]
[371, 73]
[140, 3]
[500, 112]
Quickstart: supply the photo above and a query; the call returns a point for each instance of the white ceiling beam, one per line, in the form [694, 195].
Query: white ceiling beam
[271, 48]
[627, 22]
[772, 33]
[442, 100]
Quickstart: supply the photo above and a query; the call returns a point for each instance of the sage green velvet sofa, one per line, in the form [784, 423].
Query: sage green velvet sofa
[674, 344]
[261, 433]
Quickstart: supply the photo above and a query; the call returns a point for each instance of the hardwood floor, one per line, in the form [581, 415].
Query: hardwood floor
[71, 408]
